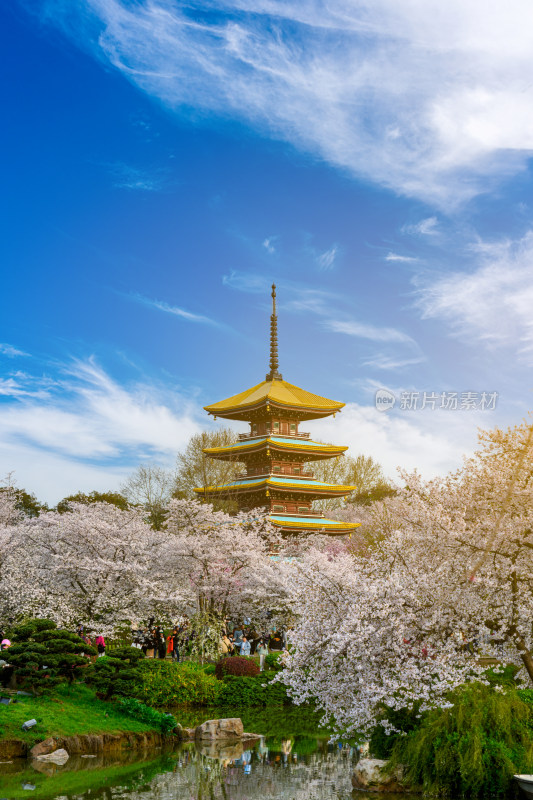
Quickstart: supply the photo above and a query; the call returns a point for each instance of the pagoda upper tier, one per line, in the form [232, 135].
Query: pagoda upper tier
[275, 452]
[274, 398]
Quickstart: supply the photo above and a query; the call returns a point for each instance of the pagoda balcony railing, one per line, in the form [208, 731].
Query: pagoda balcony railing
[244, 436]
[255, 472]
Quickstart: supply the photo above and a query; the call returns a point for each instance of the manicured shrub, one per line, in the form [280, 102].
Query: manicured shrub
[236, 665]
[162, 683]
[473, 748]
[117, 673]
[246, 691]
[164, 721]
[44, 655]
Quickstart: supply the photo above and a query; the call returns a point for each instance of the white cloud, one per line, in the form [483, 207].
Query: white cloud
[426, 227]
[88, 422]
[10, 351]
[14, 387]
[492, 304]
[326, 260]
[319, 302]
[391, 362]
[429, 98]
[431, 441]
[161, 305]
[398, 257]
[364, 331]
[268, 244]
[247, 282]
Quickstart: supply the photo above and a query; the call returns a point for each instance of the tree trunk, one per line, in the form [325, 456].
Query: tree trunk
[525, 653]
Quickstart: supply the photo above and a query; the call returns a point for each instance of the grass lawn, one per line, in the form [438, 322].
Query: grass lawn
[67, 711]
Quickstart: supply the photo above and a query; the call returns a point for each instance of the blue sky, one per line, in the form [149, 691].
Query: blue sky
[165, 162]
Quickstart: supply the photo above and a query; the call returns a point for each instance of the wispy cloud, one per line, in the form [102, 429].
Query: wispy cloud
[391, 362]
[426, 227]
[10, 351]
[126, 176]
[491, 305]
[326, 260]
[427, 98]
[398, 257]
[21, 385]
[87, 419]
[364, 331]
[247, 282]
[323, 304]
[268, 244]
[161, 305]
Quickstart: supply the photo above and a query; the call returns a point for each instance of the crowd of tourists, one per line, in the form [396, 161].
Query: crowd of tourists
[243, 639]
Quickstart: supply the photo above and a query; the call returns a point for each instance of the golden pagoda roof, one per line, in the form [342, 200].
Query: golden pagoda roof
[279, 483]
[292, 444]
[329, 526]
[278, 393]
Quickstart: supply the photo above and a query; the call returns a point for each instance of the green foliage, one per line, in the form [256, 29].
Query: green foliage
[404, 721]
[28, 503]
[473, 748]
[114, 498]
[44, 655]
[116, 674]
[377, 493]
[273, 662]
[505, 676]
[236, 665]
[156, 719]
[245, 691]
[163, 683]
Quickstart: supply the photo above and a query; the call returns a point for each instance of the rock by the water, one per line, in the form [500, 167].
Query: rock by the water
[59, 757]
[231, 728]
[43, 748]
[370, 776]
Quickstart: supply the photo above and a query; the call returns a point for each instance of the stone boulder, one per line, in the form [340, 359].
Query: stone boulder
[43, 748]
[59, 757]
[369, 775]
[231, 728]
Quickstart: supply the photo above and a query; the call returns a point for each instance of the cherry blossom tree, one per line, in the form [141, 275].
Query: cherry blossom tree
[100, 564]
[402, 619]
[91, 564]
[220, 563]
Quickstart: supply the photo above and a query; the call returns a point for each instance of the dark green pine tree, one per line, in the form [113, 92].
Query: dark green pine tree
[44, 655]
[117, 673]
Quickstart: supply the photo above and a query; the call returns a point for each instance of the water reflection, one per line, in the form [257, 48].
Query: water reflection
[233, 773]
[289, 769]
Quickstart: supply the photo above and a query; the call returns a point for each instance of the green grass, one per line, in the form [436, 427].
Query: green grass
[67, 711]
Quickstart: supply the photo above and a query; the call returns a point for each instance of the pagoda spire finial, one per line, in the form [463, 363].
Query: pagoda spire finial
[274, 374]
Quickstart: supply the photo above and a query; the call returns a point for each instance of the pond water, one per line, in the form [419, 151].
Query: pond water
[291, 761]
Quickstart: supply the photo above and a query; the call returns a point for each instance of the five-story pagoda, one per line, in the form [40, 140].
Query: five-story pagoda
[275, 451]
